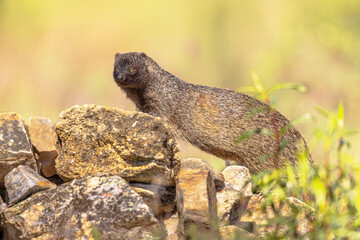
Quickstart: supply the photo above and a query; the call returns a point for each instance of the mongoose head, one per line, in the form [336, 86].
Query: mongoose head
[130, 69]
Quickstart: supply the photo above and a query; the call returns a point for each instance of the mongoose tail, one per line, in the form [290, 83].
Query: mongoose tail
[209, 118]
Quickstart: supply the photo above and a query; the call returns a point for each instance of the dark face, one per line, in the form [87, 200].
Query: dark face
[129, 69]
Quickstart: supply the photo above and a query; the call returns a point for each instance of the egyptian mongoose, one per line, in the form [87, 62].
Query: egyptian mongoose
[210, 118]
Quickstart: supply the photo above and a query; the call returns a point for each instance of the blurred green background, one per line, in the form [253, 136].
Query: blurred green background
[55, 54]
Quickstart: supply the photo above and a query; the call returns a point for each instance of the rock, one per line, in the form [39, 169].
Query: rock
[234, 232]
[248, 226]
[171, 226]
[133, 145]
[3, 194]
[101, 207]
[15, 146]
[2, 205]
[160, 199]
[197, 163]
[263, 214]
[233, 198]
[2, 208]
[196, 200]
[23, 181]
[45, 141]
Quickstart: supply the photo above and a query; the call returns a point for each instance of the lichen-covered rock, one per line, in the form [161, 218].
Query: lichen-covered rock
[262, 215]
[133, 145]
[196, 200]
[23, 181]
[160, 199]
[234, 233]
[15, 146]
[171, 226]
[102, 206]
[45, 141]
[197, 163]
[233, 198]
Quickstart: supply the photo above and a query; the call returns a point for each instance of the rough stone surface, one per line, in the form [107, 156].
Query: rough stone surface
[2, 204]
[197, 163]
[234, 232]
[171, 226]
[15, 146]
[133, 145]
[160, 199]
[105, 207]
[23, 181]
[196, 200]
[2, 208]
[255, 213]
[233, 198]
[45, 141]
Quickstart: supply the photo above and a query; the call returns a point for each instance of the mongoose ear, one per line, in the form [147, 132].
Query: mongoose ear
[142, 54]
[117, 57]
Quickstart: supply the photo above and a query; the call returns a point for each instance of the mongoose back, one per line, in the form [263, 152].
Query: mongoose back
[209, 118]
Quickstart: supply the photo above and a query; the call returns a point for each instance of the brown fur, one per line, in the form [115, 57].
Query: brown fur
[209, 118]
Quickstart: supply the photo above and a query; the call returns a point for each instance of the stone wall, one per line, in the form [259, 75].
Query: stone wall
[105, 173]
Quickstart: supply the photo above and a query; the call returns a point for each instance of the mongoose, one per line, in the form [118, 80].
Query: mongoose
[209, 118]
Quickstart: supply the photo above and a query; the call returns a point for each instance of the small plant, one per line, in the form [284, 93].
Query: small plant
[330, 190]
[275, 130]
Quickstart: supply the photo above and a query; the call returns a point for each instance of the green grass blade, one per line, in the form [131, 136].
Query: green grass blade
[291, 86]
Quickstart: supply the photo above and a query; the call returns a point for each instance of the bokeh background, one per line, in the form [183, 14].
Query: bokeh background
[55, 54]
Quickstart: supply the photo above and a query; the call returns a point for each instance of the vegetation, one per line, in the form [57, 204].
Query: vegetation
[331, 189]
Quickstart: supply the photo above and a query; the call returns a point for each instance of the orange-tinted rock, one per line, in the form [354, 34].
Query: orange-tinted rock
[45, 141]
[196, 200]
[171, 226]
[197, 163]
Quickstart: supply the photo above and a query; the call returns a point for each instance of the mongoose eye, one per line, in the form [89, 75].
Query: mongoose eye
[132, 70]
